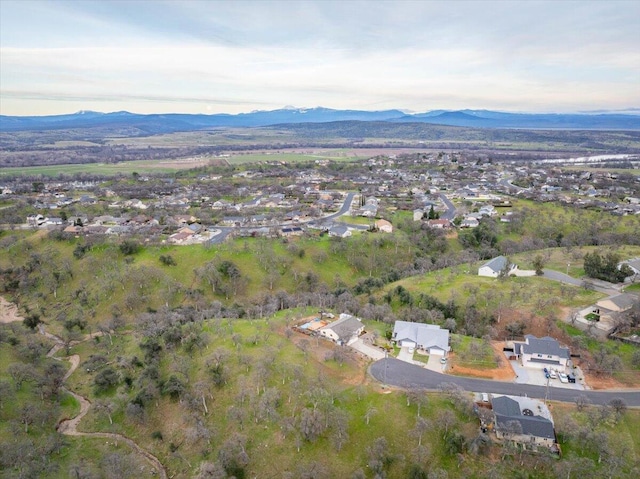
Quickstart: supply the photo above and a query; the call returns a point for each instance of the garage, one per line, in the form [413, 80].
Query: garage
[436, 351]
[407, 343]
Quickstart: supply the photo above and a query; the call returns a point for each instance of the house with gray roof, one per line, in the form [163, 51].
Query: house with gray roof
[344, 330]
[428, 337]
[494, 267]
[523, 420]
[542, 353]
[618, 303]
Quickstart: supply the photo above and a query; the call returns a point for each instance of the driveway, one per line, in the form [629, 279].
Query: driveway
[537, 378]
[398, 373]
[368, 350]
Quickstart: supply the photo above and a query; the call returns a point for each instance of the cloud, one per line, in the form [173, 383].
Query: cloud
[526, 55]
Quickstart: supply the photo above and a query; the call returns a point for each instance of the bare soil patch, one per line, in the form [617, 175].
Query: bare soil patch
[8, 312]
[504, 372]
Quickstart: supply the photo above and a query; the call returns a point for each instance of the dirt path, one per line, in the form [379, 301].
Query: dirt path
[69, 427]
[8, 312]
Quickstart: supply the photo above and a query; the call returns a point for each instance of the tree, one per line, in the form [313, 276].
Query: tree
[173, 387]
[538, 265]
[312, 424]
[20, 373]
[32, 321]
[106, 407]
[421, 427]
[105, 379]
[233, 455]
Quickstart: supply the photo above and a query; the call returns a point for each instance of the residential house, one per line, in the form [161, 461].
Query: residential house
[291, 231]
[384, 226]
[542, 352]
[523, 420]
[618, 303]
[340, 231]
[497, 266]
[345, 330]
[469, 222]
[417, 214]
[439, 224]
[428, 337]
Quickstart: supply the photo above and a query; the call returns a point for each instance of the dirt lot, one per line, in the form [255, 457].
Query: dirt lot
[8, 312]
[502, 373]
[317, 349]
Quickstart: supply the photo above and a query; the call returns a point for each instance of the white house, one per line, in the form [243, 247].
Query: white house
[494, 267]
[384, 226]
[428, 337]
[542, 352]
[345, 330]
[341, 231]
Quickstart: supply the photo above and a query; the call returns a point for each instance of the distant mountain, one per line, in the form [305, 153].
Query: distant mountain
[550, 121]
[165, 123]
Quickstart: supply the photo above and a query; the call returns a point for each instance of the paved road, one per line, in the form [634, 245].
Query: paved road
[507, 183]
[346, 206]
[597, 285]
[398, 373]
[451, 210]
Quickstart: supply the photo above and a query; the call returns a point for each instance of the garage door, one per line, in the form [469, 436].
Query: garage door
[406, 343]
[436, 351]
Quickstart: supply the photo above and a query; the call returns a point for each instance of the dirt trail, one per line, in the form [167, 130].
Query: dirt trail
[8, 312]
[69, 427]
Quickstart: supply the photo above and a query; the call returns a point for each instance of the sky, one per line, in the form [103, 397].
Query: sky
[184, 56]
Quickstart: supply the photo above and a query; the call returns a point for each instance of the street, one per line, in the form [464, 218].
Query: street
[394, 372]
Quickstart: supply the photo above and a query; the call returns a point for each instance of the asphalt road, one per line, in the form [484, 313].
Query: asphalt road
[346, 206]
[451, 210]
[600, 286]
[394, 372]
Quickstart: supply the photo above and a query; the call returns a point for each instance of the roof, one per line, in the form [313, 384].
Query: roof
[345, 327]
[339, 229]
[622, 301]
[497, 264]
[546, 346]
[512, 408]
[424, 335]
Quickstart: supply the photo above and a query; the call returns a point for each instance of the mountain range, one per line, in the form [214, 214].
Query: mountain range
[172, 122]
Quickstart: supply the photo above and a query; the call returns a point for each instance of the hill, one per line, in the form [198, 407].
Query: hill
[171, 122]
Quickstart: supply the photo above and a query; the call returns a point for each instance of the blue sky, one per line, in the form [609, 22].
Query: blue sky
[216, 56]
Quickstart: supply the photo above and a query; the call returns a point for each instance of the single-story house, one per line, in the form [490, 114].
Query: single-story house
[439, 224]
[384, 226]
[345, 330]
[542, 352]
[494, 267]
[428, 337]
[341, 231]
[469, 223]
[618, 303]
[523, 420]
[291, 231]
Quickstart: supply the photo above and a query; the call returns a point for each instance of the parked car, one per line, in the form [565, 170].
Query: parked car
[443, 360]
[563, 378]
[571, 378]
[411, 350]
[553, 374]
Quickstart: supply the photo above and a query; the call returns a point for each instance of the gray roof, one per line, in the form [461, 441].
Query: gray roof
[507, 409]
[339, 229]
[546, 346]
[424, 335]
[623, 301]
[497, 264]
[345, 327]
